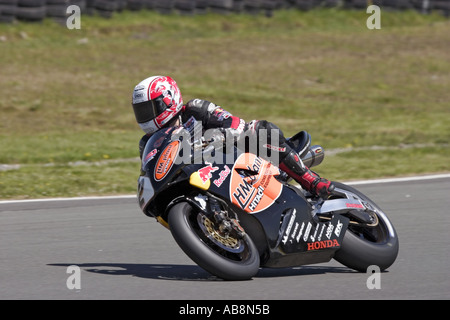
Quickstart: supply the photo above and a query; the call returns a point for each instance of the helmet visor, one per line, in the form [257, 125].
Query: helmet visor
[149, 110]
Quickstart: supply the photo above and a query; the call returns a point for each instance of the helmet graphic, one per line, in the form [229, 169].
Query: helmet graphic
[156, 101]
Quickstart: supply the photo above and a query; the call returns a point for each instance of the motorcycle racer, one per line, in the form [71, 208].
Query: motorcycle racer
[157, 103]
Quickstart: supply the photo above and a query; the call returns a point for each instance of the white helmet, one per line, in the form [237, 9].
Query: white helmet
[156, 101]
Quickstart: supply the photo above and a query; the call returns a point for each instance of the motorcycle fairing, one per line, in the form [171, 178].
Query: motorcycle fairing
[166, 160]
[157, 166]
[292, 236]
[307, 240]
[257, 192]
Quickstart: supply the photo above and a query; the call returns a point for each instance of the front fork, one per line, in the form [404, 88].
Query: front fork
[216, 211]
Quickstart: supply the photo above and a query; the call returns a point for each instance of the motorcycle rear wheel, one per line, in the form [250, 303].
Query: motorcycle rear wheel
[204, 249]
[370, 246]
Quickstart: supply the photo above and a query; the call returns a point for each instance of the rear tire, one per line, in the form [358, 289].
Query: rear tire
[194, 241]
[375, 246]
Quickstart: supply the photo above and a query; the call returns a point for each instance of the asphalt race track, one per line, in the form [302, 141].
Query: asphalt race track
[122, 254]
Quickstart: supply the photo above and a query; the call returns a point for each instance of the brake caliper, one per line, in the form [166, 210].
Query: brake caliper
[225, 224]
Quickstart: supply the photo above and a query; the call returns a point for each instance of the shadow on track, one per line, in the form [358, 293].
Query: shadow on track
[192, 272]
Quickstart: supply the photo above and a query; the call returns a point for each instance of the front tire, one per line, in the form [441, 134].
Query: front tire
[363, 247]
[238, 262]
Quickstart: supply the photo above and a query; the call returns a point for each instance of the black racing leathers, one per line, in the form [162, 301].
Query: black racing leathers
[213, 116]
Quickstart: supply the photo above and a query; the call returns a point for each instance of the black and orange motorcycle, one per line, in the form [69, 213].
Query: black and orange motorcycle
[233, 218]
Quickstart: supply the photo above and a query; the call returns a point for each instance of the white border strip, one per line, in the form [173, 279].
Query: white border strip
[403, 179]
[358, 182]
[69, 199]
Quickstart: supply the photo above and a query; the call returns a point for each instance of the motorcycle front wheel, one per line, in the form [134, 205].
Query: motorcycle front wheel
[227, 257]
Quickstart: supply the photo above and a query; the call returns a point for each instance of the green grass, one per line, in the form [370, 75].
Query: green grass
[65, 180]
[65, 94]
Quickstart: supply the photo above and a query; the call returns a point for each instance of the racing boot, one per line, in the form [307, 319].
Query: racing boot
[309, 180]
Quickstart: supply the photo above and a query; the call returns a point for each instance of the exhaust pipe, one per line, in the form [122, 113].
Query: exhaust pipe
[314, 156]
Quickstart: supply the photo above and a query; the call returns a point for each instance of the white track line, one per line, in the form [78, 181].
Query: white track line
[69, 199]
[359, 182]
[402, 179]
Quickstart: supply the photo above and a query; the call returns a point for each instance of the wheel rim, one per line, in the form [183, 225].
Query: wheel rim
[224, 241]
